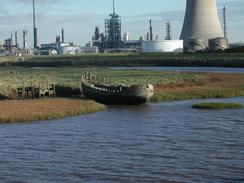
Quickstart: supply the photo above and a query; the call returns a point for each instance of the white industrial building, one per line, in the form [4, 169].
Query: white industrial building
[162, 46]
[69, 50]
[126, 36]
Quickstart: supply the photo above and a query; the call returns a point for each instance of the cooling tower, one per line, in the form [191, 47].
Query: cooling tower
[201, 22]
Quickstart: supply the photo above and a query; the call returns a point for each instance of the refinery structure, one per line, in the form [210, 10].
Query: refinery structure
[201, 31]
[113, 31]
[112, 40]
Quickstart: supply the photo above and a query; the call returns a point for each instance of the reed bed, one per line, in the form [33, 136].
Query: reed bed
[12, 111]
[211, 85]
[217, 106]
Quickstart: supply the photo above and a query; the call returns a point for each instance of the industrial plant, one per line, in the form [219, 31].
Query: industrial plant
[151, 45]
[111, 40]
[201, 31]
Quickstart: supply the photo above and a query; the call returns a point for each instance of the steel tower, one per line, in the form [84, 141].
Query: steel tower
[113, 31]
[34, 26]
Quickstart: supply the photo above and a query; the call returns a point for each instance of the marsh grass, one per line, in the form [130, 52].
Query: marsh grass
[168, 85]
[12, 111]
[178, 94]
[217, 106]
[134, 59]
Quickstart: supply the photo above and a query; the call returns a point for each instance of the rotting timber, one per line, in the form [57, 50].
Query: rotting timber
[32, 92]
[115, 95]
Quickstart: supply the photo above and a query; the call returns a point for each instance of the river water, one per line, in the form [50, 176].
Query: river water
[161, 143]
[190, 69]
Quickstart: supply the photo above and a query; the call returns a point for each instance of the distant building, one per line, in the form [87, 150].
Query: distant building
[61, 48]
[133, 45]
[48, 51]
[69, 50]
[89, 49]
[126, 36]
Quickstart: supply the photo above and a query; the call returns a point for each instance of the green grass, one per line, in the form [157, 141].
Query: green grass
[217, 106]
[133, 59]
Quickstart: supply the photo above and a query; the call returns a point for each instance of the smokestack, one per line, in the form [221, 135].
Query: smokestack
[16, 40]
[62, 35]
[11, 37]
[148, 36]
[224, 22]
[35, 38]
[168, 31]
[57, 39]
[25, 39]
[113, 8]
[34, 26]
[151, 32]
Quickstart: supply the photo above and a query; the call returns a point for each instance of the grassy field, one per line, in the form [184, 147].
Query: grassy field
[133, 59]
[168, 85]
[12, 111]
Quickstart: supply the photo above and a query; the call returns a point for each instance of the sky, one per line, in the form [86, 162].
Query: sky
[79, 18]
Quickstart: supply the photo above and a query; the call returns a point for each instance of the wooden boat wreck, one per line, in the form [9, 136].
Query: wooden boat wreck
[115, 95]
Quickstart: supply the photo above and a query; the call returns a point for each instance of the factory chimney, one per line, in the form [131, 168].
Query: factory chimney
[62, 35]
[16, 40]
[34, 26]
[224, 22]
[201, 22]
[168, 31]
[113, 8]
[151, 31]
[25, 39]
[11, 37]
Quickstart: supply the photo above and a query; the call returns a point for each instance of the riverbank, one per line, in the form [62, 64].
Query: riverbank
[130, 60]
[12, 111]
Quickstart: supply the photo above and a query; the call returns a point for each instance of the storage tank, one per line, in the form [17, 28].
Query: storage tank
[70, 50]
[195, 44]
[216, 44]
[162, 46]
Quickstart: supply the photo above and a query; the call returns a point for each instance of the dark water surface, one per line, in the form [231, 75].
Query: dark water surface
[190, 69]
[164, 143]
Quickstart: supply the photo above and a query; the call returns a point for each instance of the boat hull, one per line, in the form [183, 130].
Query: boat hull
[116, 98]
